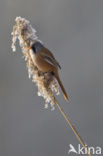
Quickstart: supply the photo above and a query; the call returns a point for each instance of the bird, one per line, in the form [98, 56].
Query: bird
[45, 61]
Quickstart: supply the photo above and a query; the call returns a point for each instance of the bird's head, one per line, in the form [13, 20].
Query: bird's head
[37, 46]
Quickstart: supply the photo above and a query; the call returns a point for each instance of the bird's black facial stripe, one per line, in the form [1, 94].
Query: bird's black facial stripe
[37, 46]
[33, 48]
[52, 73]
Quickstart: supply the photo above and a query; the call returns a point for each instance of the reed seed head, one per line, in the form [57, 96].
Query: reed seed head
[45, 82]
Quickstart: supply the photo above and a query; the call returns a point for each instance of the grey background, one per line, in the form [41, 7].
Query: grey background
[73, 31]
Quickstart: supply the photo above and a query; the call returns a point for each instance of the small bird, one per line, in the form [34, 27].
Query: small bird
[45, 61]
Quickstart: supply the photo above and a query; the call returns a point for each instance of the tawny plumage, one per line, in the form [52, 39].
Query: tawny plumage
[46, 62]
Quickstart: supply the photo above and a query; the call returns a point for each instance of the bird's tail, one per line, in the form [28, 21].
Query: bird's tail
[63, 89]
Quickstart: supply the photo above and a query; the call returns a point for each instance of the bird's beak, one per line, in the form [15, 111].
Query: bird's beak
[29, 48]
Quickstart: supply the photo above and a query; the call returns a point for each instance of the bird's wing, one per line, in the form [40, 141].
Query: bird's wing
[48, 56]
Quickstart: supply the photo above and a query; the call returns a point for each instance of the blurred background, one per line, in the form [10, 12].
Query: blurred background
[73, 31]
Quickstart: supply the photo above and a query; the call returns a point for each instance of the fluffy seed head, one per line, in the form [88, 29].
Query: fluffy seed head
[45, 82]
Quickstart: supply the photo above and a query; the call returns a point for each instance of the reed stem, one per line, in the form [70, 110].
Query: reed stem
[72, 127]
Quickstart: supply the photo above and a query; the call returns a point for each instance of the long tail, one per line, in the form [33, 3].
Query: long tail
[63, 89]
